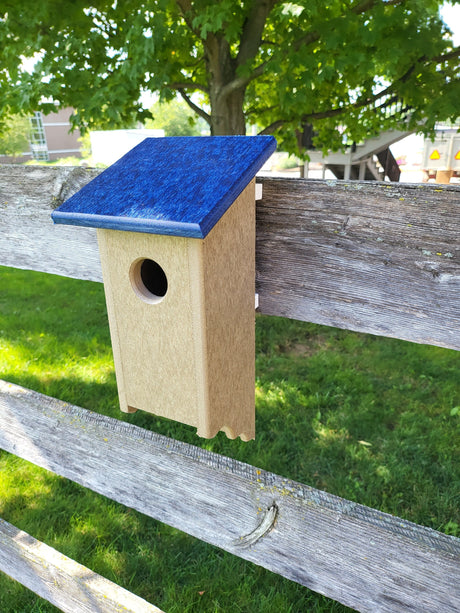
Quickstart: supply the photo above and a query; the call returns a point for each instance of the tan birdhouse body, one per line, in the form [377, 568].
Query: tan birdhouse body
[188, 355]
[175, 220]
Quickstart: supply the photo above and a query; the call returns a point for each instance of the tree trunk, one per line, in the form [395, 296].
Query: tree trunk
[227, 116]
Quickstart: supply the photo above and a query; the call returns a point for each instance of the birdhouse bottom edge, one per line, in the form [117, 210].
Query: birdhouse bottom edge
[247, 435]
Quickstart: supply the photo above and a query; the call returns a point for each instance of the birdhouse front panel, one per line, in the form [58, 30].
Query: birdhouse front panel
[176, 230]
[152, 335]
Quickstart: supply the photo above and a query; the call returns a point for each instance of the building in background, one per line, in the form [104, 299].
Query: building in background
[108, 146]
[50, 138]
[441, 157]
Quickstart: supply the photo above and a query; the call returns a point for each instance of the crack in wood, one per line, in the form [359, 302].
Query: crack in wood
[267, 523]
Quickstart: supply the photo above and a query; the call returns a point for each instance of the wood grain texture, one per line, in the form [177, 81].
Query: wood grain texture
[361, 557]
[28, 237]
[373, 257]
[59, 580]
[382, 258]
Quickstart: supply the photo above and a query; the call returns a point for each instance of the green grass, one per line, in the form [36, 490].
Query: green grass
[371, 419]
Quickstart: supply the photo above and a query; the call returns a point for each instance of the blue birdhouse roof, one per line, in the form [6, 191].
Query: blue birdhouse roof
[179, 186]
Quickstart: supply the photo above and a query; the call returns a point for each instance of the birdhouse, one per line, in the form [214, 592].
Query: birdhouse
[175, 220]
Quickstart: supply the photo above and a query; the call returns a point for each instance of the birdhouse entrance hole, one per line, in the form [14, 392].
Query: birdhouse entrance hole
[148, 280]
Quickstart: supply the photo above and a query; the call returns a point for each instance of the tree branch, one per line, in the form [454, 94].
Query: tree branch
[308, 39]
[186, 9]
[250, 41]
[363, 6]
[368, 100]
[329, 113]
[191, 85]
[195, 108]
[253, 28]
[241, 82]
[251, 37]
[447, 56]
[363, 102]
[275, 125]
[357, 9]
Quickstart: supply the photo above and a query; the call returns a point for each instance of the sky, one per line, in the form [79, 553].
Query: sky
[451, 16]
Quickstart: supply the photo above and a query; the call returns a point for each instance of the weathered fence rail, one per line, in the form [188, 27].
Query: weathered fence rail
[382, 258]
[376, 258]
[66, 584]
[366, 559]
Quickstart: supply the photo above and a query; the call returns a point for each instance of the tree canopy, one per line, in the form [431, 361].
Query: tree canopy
[14, 138]
[330, 70]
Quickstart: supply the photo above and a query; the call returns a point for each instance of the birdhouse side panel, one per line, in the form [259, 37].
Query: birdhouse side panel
[153, 335]
[103, 237]
[229, 286]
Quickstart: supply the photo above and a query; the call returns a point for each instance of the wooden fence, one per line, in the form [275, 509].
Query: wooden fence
[379, 258]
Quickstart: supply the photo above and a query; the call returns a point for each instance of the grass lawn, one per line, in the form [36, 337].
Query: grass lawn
[374, 420]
